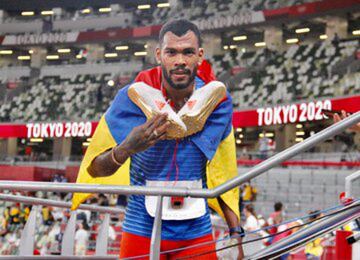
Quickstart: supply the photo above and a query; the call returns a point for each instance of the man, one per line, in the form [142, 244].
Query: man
[153, 159]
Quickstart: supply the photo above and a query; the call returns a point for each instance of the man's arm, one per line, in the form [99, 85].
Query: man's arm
[139, 139]
[233, 222]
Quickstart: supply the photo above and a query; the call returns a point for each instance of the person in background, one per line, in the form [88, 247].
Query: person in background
[314, 249]
[285, 230]
[264, 146]
[338, 118]
[276, 217]
[81, 240]
[249, 192]
[247, 195]
[251, 222]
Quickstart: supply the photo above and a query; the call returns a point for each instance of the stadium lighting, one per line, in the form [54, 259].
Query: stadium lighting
[52, 57]
[88, 139]
[86, 11]
[356, 32]
[260, 44]
[238, 141]
[293, 40]
[269, 134]
[86, 143]
[143, 7]
[122, 48]
[232, 47]
[300, 133]
[111, 55]
[226, 47]
[240, 38]
[105, 9]
[299, 139]
[79, 56]
[261, 135]
[298, 126]
[36, 140]
[111, 83]
[162, 5]
[6, 52]
[239, 129]
[140, 53]
[241, 136]
[47, 12]
[24, 57]
[64, 50]
[145, 46]
[243, 50]
[323, 37]
[31, 51]
[27, 13]
[302, 30]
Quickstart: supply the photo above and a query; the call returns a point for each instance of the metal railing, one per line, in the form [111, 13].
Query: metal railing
[348, 183]
[27, 240]
[313, 231]
[185, 192]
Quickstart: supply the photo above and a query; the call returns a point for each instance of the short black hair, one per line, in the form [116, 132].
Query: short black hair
[278, 206]
[179, 27]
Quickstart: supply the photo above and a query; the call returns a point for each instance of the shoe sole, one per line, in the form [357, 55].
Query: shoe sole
[196, 121]
[174, 131]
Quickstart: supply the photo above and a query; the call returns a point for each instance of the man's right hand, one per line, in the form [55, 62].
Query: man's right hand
[139, 139]
[146, 135]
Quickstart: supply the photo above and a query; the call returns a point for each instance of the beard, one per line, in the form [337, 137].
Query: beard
[184, 85]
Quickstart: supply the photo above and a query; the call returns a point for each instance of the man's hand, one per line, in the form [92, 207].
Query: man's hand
[232, 221]
[146, 135]
[139, 139]
[343, 115]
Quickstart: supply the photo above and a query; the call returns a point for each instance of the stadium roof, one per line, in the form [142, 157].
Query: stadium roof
[16, 5]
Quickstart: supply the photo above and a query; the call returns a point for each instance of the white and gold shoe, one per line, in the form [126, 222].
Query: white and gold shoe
[201, 104]
[152, 102]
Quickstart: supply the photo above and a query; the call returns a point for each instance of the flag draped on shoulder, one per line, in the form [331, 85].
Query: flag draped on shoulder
[216, 141]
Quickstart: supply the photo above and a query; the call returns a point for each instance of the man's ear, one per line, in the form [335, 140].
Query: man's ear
[201, 55]
[158, 55]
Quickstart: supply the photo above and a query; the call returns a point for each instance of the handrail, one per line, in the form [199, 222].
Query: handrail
[313, 231]
[200, 193]
[59, 204]
[348, 181]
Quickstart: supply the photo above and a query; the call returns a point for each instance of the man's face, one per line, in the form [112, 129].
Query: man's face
[179, 58]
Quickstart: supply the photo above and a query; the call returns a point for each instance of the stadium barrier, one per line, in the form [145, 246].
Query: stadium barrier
[27, 239]
[196, 193]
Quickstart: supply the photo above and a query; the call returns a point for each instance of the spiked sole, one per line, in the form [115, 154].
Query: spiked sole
[196, 120]
[174, 131]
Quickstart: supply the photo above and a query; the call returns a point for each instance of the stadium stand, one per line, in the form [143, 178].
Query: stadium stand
[123, 17]
[79, 94]
[268, 77]
[300, 190]
[302, 72]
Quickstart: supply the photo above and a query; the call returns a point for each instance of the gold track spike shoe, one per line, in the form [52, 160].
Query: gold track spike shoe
[152, 102]
[200, 105]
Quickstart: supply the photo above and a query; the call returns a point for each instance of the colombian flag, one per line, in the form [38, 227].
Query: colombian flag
[123, 115]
